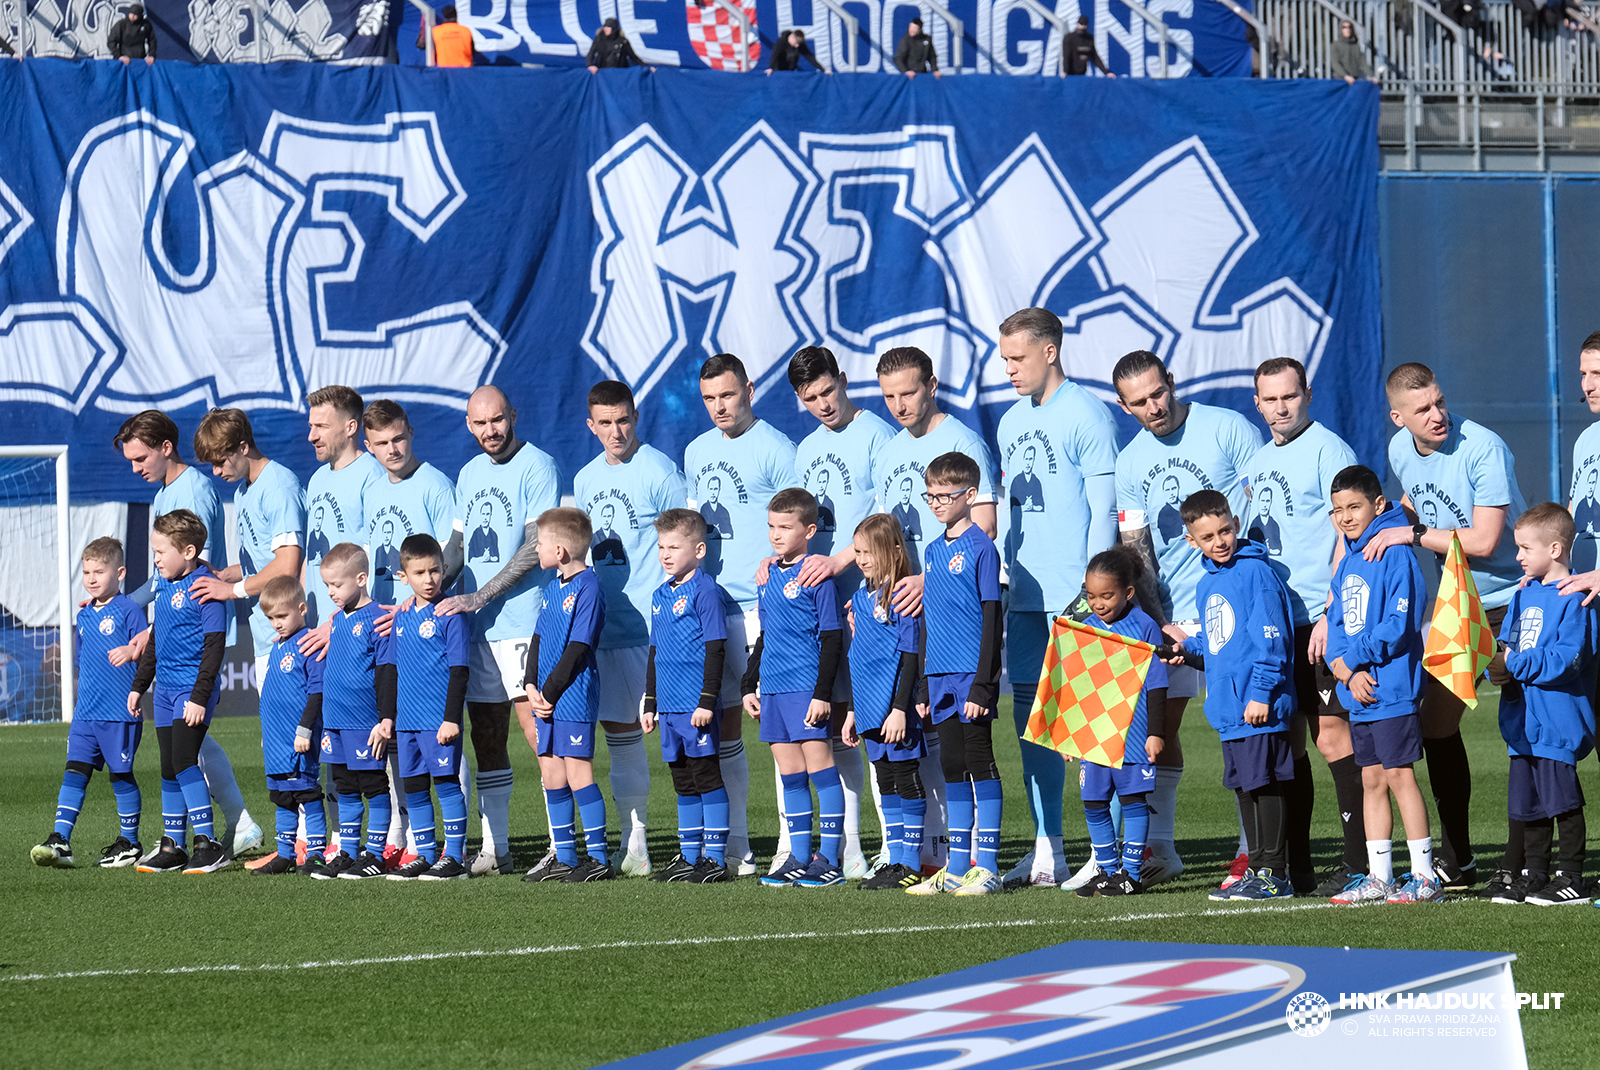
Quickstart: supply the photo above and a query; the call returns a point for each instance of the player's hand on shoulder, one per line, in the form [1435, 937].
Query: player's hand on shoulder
[121, 655]
[907, 596]
[817, 569]
[1587, 582]
[315, 641]
[1384, 539]
[763, 569]
[752, 705]
[383, 623]
[449, 607]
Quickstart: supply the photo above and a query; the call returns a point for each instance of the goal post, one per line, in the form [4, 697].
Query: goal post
[25, 490]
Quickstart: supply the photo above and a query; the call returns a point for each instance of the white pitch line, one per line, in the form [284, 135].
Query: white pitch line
[551, 949]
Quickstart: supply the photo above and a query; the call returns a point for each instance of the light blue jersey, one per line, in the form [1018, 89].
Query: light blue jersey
[1288, 514]
[623, 501]
[901, 486]
[1585, 499]
[424, 501]
[1046, 453]
[271, 514]
[730, 481]
[1473, 467]
[1211, 451]
[838, 468]
[335, 513]
[195, 491]
[495, 503]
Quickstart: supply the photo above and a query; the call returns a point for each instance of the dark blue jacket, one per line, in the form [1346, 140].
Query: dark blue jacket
[1550, 642]
[1384, 605]
[1246, 642]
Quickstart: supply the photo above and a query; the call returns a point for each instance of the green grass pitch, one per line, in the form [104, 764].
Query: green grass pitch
[235, 969]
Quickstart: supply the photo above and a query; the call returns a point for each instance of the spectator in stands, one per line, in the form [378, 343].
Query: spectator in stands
[611, 48]
[133, 37]
[1347, 58]
[1465, 13]
[914, 54]
[790, 49]
[1498, 67]
[452, 42]
[1078, 52]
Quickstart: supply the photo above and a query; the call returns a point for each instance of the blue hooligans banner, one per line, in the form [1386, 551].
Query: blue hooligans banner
[1203, 38]
[184, 237]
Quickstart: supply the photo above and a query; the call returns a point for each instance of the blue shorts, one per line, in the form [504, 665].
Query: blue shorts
[913, 747]
[1097, 783]
[1542, 788]
[783, 719]
[348, 747]
[1394, 742]
[421, 755]
[681, 739]
[947, 694]
[1252, 762]
[104, 744]
[564, 739]
[168, 705]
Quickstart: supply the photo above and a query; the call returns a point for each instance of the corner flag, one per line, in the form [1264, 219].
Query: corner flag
[1460, 642]
[1088, 692]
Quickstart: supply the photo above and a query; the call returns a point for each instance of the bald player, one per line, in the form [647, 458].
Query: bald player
[503, 489]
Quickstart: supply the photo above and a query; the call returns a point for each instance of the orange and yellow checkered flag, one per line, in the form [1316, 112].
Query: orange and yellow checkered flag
[1088, 693]
[1460, 642]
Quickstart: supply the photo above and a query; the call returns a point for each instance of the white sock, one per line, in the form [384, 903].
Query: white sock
[1380, 860]
[494, 803]
[1244, 841]
[1422, 858]
[935, 826]
[877, 804]
[1047, 854]
[783, 817]
[630, 787]
[219, 781]
[848, 761]
[397, 802]
[736, 778]
[1164, 805]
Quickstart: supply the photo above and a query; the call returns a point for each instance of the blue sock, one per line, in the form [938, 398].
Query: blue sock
[1044, 774]
[990, 802]
[691, 830]
[350, 824]
[1135, 827]
[830, 810]
[558, 801]
[197, 800]
[74, 786]
[419, 805]
[379, 810]
[173, 814]
[714, 816]
[797, 814]
[453, 808]
[958, 804]
[1116, 813]
[913, 813]
[288, 823]
[1102, 836]
[316, 828]
[893, 830]
[129, 805]
[591, 804]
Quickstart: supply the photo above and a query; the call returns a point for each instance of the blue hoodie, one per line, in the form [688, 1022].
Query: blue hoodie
[1380, 629]
[1550, 642]
[1246, 642]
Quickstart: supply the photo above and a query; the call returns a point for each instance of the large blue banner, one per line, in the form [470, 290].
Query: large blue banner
[1204, 38]
[234, 235]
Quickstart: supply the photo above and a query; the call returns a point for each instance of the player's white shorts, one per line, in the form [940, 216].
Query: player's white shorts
[621, 675]
[743, 631]
[1183, 681]
[497, 667]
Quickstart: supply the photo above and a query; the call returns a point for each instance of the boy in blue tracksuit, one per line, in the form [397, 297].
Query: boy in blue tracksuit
[1375, 652]
[1245, 646]
[291, 718]
[1549, 644]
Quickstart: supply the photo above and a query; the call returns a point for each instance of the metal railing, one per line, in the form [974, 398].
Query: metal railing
[1263, 36]
[747, 33]
[852, 34]
[957, 32]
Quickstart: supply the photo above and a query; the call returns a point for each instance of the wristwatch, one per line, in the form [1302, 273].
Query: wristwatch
[1417, 532]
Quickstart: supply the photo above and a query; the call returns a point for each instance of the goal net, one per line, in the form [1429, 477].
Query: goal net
[36, 604]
